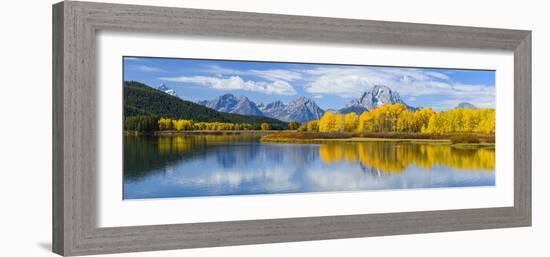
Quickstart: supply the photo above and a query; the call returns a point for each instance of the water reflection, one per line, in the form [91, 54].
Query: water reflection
[205, 165]
[392, 157]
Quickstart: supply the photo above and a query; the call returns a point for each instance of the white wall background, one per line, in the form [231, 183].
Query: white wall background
[25, 128]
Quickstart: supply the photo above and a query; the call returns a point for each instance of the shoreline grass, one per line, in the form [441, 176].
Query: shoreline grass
[458, 140]
[351, 140]
[198, 132]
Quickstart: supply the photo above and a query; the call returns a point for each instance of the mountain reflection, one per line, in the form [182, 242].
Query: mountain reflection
[230, 151]
[202, 165]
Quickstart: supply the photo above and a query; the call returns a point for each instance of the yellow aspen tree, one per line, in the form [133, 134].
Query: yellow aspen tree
[456, 120]
[351, 121]
[422, 118]
[174, 123]
[491, 121]
[313, 125]
[265, 126]
[339, 123]
[169, 124]
[405, 122]
[178, 125]
[327, 122]
[487, 122]
[187, 125]
[161, 124]
[393, 113]
[366, 122]
[165, 124]
[293, 125]
[470, 120]
[435, 125]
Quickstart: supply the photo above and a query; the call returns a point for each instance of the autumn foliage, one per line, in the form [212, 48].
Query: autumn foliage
[390, 118]
[180, 125]
[265, 126]
[385, 157]
[396, 118]
[293, 125]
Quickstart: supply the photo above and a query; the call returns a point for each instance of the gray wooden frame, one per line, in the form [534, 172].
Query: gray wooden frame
[75, 25]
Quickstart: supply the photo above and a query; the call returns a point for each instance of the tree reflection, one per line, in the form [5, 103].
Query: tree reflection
[200, 165]
[148, 155]
[391, 157]
[144, 155]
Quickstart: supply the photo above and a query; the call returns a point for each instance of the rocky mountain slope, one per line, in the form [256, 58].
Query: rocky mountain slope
[303, 109]
[374, 98]
[231, 104]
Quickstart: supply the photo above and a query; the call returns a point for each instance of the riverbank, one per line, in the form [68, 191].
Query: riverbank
[201, 132]
[458, 140]
[465, 140]
[214, 132]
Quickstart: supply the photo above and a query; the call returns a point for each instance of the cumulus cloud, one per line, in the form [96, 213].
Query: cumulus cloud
[348, 82]
[270, 74]
[145, 68]
[271, 179]
[273, 75]
[278, 87]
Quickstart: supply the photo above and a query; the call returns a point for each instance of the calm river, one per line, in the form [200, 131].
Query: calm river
[214, 165]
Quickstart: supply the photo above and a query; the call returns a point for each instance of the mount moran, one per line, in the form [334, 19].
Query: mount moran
[302, 109]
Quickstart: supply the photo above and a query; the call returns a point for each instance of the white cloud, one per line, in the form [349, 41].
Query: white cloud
[438, 75]
[286, 75]
[218, 70]
[478, 101]
[345, 82]
[349, 82]
[271, 179]
[272, 75]
[145, 68]
[278, 87]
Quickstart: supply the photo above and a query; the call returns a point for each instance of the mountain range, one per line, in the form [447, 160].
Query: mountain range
[231, 104]
[143, 100]
[303, 109]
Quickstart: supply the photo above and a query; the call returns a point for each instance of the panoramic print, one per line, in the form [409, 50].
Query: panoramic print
[195, 127]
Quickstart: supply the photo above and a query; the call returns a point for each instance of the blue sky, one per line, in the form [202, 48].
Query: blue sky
[331, 86]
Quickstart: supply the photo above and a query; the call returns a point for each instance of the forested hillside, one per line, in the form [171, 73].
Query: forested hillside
[143, 101]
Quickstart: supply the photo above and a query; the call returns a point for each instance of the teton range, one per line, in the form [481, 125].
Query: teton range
[217, 127]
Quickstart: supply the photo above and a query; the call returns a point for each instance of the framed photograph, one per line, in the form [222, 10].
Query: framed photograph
[182, 128]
